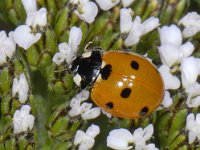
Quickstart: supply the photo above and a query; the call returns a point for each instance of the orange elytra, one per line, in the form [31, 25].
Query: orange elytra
[124, 84]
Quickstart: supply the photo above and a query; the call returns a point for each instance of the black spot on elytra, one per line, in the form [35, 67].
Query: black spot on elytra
[135, 65]
[106, 71]
[109, 105]
[144, 111]
[125, 93]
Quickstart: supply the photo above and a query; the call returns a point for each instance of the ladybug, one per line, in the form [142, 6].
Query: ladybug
[124, 84]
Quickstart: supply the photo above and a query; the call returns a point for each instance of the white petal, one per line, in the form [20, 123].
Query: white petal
[167, 101]
[2, 57]
[191, 137]
[91, 114]
[186, 49]
[193, 90]
[198, 119]
[59, 58]
[170, 81]
[22, 120]
[106, 113]
[37, 18]
[125, 20]
[126, 3]
[24, 37]
[80, 135]
[75, 37]
[15, 87]
[117, 143]
[21, 87]
[64, 48]
[169, 54]
[150, 24]
[93, 131]
[190, 31]
[8, 45]
[88, 12]
[119, 139]
[87, 144]
[29, 5]
[83, 95]
[193, 102]
[138, 138]
[190, 122]
[190, 19]
[148, 132]
[2, 35]
[170, 34]
[107, 4]
[135, 33]
[189, 71]
[75, 111]
[86, 106]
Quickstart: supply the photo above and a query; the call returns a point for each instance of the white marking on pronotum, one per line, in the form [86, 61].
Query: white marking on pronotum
[86, 54]
[77, 79]
[103, 64]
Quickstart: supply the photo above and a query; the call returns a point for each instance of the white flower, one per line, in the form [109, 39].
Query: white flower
[7, 47]
[86, 140]
[67, 51]
[136, 28]
[24, 37]
[193, 93]
[170, 34]
[193, 89]
[21, 88]
[84, 109]
[125, 20]
[29, 5]
[193, 102]
[140, 136]
[191, 22]
[167, 101]
[107, 4]
[37, 18]
[193, 126]
[189, 71]
[120, 139]
[170, 81]
[91, 114]
[172, 51]
[86, 10]
[126, 3]
[23, 120]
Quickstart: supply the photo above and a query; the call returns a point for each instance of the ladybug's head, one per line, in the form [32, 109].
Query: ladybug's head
[86, 68]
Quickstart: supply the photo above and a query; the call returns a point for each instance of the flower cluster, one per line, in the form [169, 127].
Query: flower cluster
[122, 138]
[79, 107]
[135, 29]
[23, 120]
[24, 35]
[67, 51]
[7, 47]
[88, 10]
[191, 22]
[193, 126]
[85, 140]
[21, 87]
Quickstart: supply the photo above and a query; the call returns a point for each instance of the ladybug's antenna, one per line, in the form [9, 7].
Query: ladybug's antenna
[87, 45]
